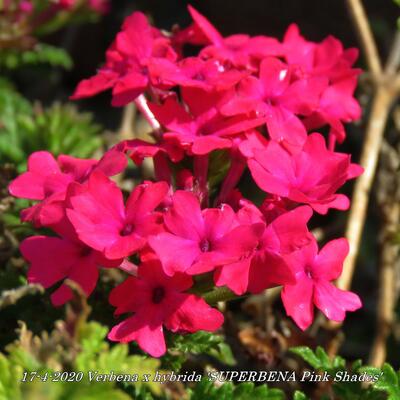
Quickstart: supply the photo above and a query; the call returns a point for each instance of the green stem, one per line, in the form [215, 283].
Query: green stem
[220, 294]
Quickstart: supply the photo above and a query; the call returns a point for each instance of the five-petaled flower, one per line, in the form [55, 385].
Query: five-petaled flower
[314, 272]
[158, 300]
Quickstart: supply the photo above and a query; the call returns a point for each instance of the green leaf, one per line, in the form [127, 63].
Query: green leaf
[201, 342]
[218, 167]
[309, 356]
[10, 385]
[228, 391]
[388, 381]
[41, 53]
[319, 359]
[299, 396]
[25, 128]
[96, 392]
[96, 355]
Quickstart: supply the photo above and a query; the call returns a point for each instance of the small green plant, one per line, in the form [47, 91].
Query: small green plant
[27, 127]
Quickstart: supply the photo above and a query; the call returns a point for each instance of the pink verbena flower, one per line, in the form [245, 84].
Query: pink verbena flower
[314, 272]
[137, 149]
[279, 98]
[126, 69]
[194, 72]
[239, 50]
[265, 266]
[103, 222]
[311, 176]
[329, 60]
[201, 128]
[53, 259]
[159, 300]
[203, 239]
[47, 180]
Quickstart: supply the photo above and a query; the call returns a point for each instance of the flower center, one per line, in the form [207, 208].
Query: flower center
[127, 230]
[158, 295]
[199, 77]
[85, 251]
[309, 272]
[204, 246]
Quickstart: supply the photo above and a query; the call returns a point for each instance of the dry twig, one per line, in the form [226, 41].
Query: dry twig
[387, 87]
[126, 130]
[10, 297]
[388, 198]
[360, 21]
[385, 93]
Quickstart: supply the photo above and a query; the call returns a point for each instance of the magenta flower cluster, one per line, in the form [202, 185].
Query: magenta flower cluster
[255, 98]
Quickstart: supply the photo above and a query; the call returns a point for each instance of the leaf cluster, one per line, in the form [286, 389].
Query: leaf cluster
[27, 127]
[40, 53]
[93, 354]
[386, 387]
[180, 347]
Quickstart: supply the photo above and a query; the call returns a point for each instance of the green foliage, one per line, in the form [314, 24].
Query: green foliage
[218, 168]
[25, 128]
[41, 53]
[388, 381]
[319, 359]
[228, 391]
[201, 342]
[96, 355]
[350, 388]
[9, 388]
[299, 396]
[93, 354]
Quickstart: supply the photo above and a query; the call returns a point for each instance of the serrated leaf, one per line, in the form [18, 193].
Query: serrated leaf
[299, 396]
[388, 381]
[307, 355]
[10, 385]
[25, 128]
[96, 355]
[200, 342]
[228, 391]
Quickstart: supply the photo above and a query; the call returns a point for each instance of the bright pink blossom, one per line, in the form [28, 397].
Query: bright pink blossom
[203, 239]
[138, 149]
[278, 98]
[239, 50]
[126, 69]
[329, 60]
[314, 272]
[265, 266]
[103, 222]
[159, 300]
[47, 179]
[194, 72]
[200, 129]
[311, 176]
[53, 259]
